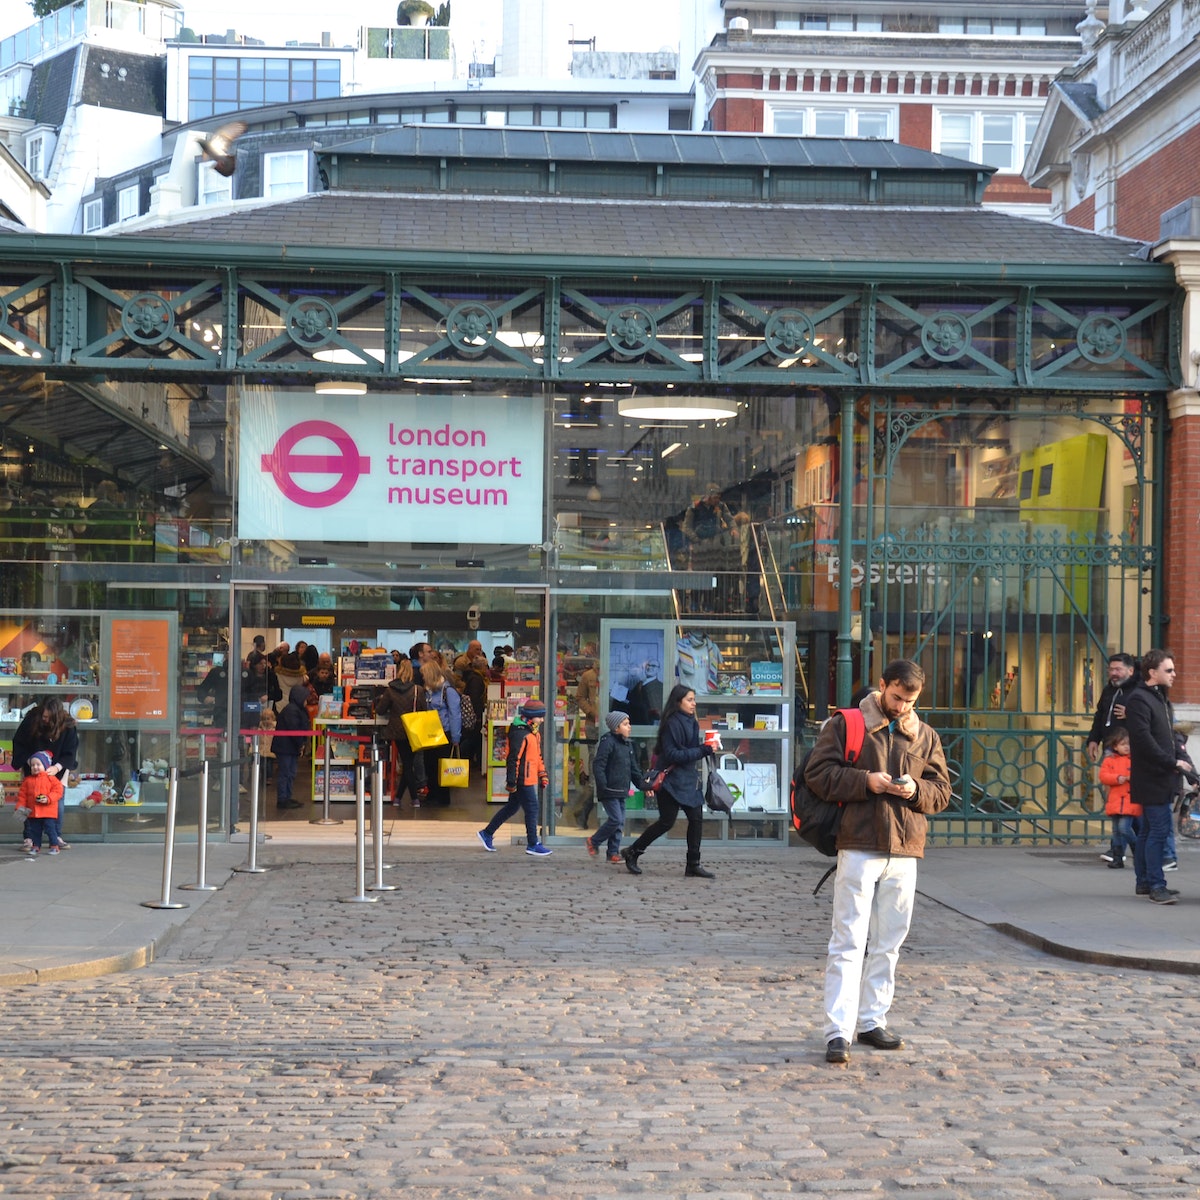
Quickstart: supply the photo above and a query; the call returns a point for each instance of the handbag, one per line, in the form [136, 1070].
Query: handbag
[454, 772]
[654, 780]
[424, 729]
[718, 795]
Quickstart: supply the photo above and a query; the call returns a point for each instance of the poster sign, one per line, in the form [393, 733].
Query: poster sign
[633, 658]
[139, 657]
[459, 469]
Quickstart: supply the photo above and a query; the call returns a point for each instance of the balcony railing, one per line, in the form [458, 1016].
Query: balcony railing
[56, 29]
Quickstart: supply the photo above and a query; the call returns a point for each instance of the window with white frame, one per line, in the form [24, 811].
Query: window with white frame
[212, 188]
[35, 151]
[127, 203]
[998, 139]
[285, 173]
[93, 216]
[994, 26]
[800, 121]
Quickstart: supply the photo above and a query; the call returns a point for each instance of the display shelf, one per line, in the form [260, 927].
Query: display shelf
[198, 654]
[750, 668]
[18, 683]
[341, 765]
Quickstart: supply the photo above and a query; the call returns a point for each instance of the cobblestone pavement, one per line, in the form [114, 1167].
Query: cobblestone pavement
[505, 1026]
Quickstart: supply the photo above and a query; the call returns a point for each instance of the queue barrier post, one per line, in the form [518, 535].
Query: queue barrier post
[165, 901]
[377, 820]
[251, 867]
[201, 884]
[360, 839]
[325, 818]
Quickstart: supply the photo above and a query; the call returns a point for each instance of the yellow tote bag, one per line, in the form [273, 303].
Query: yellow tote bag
[453, 772]
[424, 729]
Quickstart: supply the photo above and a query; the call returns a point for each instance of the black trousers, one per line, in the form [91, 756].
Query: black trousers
[668, 814]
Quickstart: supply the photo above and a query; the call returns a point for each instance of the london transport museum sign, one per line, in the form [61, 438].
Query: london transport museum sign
[410, 469]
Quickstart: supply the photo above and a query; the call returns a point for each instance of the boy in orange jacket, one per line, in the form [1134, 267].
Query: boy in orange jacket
[41, 795]
[1114, 774]
[525, 774]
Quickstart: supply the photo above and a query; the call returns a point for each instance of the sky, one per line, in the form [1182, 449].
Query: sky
[278, 21]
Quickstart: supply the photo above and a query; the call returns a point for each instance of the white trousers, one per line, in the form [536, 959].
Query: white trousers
[872, 911]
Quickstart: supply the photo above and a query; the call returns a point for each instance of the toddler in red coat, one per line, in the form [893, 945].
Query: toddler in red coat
[41, 795]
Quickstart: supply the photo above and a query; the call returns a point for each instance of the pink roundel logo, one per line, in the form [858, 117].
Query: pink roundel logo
[346, 464]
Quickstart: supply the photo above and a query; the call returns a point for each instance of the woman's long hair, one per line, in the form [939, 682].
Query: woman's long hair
[55, 720]
[431, 676]
[669, 710]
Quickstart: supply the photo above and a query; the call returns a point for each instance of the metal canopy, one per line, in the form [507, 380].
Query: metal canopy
[90, 427]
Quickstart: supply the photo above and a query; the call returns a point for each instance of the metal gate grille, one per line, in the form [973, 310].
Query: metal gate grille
[1009, 586]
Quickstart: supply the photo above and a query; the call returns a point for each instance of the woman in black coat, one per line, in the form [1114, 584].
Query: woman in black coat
[51, 728]
[404, 695]
[679, 747]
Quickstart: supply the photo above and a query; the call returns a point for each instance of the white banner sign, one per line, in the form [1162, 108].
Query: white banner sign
[383, 468]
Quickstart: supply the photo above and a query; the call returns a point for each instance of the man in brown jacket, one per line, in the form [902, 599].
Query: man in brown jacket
[899, 777]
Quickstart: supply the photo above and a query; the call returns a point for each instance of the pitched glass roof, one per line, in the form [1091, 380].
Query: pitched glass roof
[678, 149]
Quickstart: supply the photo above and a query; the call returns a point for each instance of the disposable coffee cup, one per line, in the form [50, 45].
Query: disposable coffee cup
[712, 737]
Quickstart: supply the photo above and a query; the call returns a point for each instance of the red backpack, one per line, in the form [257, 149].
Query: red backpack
[816, 820]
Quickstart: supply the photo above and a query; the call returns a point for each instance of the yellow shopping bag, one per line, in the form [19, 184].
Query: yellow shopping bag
[453, 772]
[424, 729]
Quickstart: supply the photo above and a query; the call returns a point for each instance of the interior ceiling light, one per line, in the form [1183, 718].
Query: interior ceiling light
[676, 408]
[340, 387]
[339, 354]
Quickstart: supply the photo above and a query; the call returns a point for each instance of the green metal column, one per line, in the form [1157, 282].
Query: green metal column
[845, 677]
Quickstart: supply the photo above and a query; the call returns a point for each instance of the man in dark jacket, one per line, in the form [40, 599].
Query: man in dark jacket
[897, 780]
[1110, 712]
[1154, 771]
[293, 719]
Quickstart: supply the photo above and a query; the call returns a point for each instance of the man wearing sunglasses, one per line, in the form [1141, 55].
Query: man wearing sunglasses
[1154, 771]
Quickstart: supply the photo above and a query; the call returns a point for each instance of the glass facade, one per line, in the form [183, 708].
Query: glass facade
[806, 478]
[219, 84]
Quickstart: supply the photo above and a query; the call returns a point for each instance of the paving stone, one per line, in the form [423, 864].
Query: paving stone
[503, 1033]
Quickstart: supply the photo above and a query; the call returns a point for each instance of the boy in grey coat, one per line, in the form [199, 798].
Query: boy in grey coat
[614, 770]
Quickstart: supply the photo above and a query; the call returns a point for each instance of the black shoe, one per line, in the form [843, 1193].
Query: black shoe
[1164, 896]
[837, 1050]
[881, 1039]
[698, 872]
[631, 863]
[1141, 890]
[1117, 864]
[287, 804]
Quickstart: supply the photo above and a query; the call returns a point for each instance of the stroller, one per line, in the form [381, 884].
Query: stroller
[1187, 806]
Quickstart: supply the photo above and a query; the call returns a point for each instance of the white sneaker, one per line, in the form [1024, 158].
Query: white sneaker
[1171, 866]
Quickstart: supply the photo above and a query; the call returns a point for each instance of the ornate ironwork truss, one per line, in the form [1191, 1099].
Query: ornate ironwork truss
[168, 318]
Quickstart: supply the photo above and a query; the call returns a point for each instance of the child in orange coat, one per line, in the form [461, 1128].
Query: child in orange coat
[525, 773]
[41, 794]
[1114, 774]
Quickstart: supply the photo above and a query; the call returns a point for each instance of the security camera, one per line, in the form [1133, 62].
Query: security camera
[473, 615]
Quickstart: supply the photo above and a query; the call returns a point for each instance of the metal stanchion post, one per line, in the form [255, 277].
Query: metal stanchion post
[251, 867]
[165, 901]
[377, 820]
[201, 885]
[360, 840]
[325, 818]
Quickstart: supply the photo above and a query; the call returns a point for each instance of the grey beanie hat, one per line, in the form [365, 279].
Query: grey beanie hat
[614, 718]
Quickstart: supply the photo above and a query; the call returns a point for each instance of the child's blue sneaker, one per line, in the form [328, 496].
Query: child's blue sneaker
[540, 850]
[486, 839]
